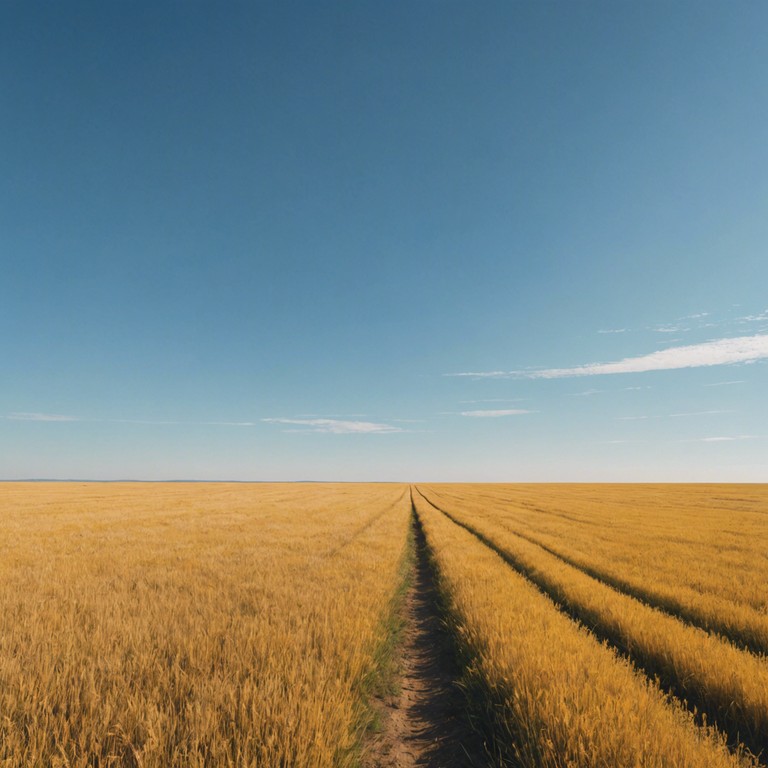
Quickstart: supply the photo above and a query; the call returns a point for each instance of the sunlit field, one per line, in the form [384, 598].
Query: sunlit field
[582, 603]
[253, 624]
[193, 625]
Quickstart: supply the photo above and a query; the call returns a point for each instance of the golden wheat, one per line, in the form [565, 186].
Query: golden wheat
[729, 684]
[241, 625]
[192, 625]
[708, 544]
[561, 697]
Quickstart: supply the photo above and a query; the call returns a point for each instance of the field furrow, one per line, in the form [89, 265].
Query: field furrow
[425, 720]
[742, 625]
[575, 539]
[687, 528]
[729, 685]
[556, 696]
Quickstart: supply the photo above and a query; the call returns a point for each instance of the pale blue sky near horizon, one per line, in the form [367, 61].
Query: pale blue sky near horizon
[495, 241]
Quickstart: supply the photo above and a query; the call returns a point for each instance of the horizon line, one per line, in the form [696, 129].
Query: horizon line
[394, 482]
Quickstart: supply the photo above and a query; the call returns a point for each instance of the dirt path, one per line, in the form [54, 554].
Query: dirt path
[425, 724]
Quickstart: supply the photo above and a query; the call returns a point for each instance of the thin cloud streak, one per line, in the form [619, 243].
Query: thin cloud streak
[490, 374]
[725, 383]
[494, 414]
[145, 422]
[753, 318]
[335, 426]
[671, 415]
[39, 417]
[743, 349]
[167, 423]
[338, 426]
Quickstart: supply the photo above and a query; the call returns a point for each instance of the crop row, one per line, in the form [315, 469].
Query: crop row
[726, 683]
[707, 562]
[557, 696]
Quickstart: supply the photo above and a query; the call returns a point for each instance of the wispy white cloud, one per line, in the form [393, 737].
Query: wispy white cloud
[231, 423]
[670, 415]
[699, 321]
[725, 383]
[149, 422]
[39, 417]
[680, 325]
[587, 393]
[743, 349]
[338, 426]
[494, 414]
[759, 318]
[684, 324]
[341, 416]
[165, 423]
[717, 439]
[490, 374]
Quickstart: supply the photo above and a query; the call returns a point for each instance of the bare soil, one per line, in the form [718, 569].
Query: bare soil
[426, 723]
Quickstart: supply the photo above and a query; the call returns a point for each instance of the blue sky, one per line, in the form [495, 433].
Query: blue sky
[384, 241]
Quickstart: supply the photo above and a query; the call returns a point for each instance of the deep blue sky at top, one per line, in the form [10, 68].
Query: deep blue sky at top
[248, 240]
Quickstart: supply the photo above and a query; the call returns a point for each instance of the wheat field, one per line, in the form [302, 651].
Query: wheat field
[192, 625]
[706, 669]
[213, 624]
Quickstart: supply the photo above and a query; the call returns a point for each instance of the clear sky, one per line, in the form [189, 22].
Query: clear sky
[384, 240]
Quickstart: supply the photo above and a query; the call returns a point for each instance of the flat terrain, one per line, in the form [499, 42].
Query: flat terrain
[383, 625]
[425, 722]
[193, 625]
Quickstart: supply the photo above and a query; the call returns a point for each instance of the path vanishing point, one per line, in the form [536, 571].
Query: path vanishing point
[425, 723]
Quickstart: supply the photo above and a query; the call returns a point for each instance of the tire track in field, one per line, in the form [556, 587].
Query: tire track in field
[756, 742]
[741, 636]
[360, 530]
[741, 639]
[425, 723]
